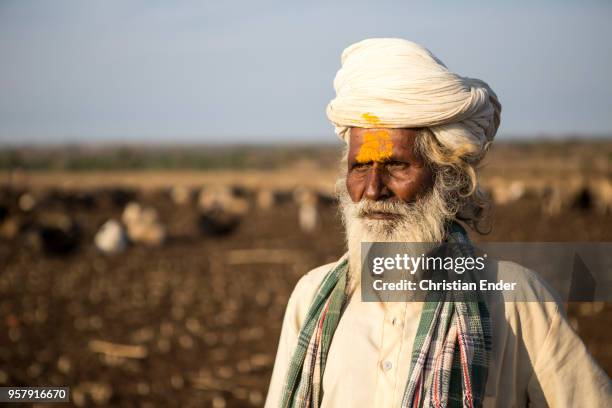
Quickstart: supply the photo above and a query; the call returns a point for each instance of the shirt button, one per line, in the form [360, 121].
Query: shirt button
[387, 365]
[394, 321]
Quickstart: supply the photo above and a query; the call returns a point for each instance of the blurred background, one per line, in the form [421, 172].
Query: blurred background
[167, 171]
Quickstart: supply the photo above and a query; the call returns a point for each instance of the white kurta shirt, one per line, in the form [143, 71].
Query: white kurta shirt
[537, 358]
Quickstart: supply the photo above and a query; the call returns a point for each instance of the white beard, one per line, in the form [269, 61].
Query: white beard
[422, 221]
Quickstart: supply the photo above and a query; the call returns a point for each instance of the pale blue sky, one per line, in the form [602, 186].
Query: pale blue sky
[250, 71]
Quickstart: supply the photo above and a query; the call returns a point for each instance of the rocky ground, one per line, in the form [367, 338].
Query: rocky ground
[195, 321]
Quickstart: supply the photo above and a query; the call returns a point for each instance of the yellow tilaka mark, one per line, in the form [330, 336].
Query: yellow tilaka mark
[371, 119]
[376, 147]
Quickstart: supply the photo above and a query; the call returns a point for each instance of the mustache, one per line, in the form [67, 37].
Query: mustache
[392, 206]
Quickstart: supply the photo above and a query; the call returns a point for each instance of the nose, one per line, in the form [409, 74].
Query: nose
[376, 188]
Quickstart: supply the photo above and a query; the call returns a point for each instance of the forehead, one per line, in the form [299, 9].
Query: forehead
[380, 143]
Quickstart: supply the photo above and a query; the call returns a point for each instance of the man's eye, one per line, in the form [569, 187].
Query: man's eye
[361, 166]
[397, 165]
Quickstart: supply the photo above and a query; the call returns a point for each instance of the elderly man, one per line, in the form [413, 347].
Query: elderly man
[415, 133]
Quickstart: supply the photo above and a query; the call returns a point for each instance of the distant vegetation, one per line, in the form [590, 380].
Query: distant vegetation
[72, 158]
[90, 158]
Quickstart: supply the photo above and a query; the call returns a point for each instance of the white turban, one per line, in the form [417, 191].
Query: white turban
[394, 83]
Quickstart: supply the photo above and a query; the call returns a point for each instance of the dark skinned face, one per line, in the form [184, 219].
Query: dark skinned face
[383, 165]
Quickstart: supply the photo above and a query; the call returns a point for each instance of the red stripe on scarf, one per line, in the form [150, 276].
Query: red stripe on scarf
[436, 379]
[465, 368]
[323, 314]
[417, 395]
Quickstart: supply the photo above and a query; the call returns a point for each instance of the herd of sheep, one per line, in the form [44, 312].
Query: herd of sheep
[45, 219]
[221, 210]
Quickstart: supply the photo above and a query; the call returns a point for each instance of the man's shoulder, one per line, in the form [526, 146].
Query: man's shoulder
[315, 276]
[532, 304]
[310, 281]
[305, 291]
[530, 285]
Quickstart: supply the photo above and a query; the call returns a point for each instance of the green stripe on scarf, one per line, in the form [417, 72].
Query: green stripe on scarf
[331, 293]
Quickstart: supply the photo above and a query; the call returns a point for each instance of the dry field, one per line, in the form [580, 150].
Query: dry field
[195, 321]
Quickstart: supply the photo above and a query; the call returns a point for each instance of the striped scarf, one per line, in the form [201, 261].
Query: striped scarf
[451, 351]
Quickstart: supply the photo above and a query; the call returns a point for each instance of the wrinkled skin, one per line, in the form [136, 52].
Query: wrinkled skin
[383, 165]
